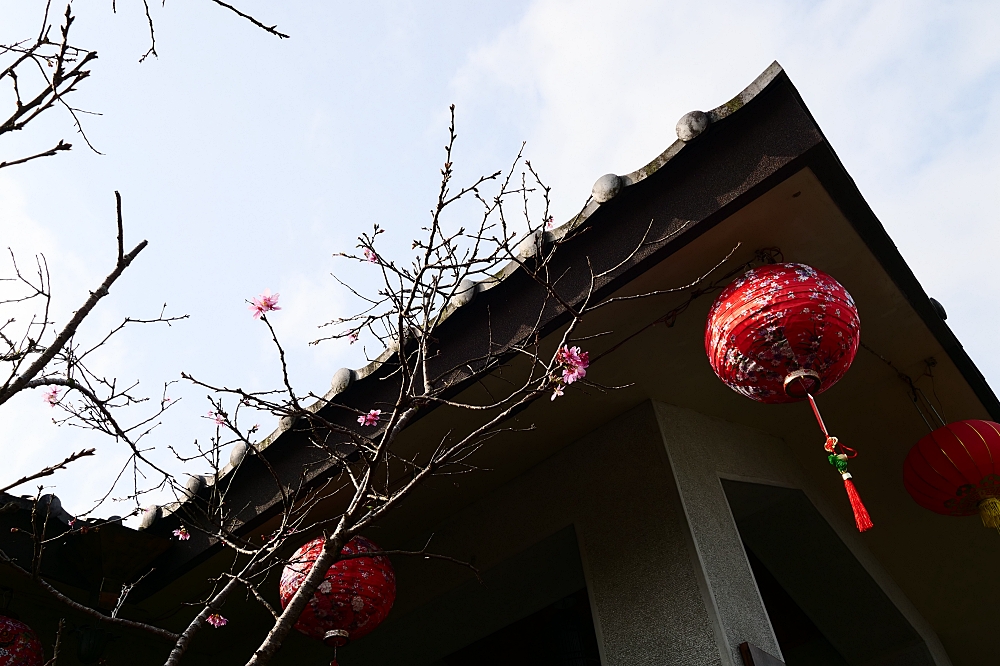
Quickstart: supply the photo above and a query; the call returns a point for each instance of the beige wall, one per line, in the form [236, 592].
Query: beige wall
[613, 486]
[636, 510]
[702, 451]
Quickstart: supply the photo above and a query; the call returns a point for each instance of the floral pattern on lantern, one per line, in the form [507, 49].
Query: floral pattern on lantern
[19, 646]
[355, 596]
[777, 320]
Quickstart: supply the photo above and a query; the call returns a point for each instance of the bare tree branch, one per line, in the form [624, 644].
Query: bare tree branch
[50, 470]
[266, 28]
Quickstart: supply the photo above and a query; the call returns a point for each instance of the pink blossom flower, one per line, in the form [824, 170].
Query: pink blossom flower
[557, 391]
[371, 256]
[573, 373]
[573, 363]
[182, 534]
[217, 417]
[52, 396]
[353, 337]
[549, 223]
[371, 418]
[266, 302]
[71, 523]
[216, 620]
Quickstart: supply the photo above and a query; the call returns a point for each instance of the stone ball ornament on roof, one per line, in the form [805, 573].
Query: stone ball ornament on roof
[355, 596]
[341, 380]
[19, 646]
[692, 124]
[955, 471]
[606, 188]
[786, 332]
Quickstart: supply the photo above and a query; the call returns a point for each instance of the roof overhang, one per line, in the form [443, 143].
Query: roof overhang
[762, 175]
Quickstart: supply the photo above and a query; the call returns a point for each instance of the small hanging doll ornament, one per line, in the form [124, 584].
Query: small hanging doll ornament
[786, 333]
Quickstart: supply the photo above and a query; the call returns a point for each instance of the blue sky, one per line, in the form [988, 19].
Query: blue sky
[247, 161]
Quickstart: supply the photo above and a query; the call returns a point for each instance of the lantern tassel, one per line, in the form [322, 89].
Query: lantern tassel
[989, 511]
[861, 517]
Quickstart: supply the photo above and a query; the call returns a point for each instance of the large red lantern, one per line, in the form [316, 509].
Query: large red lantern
[785, 333]
[19, 646]
[955, 471]
[355, 596]
[781, 331]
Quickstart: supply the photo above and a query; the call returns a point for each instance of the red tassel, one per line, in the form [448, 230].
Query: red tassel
[861, 517]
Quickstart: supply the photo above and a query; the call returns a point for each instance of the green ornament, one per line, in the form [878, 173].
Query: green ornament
[837, 462]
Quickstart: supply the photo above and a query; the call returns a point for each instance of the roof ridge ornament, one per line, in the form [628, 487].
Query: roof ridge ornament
[692, 124]
[607, 187]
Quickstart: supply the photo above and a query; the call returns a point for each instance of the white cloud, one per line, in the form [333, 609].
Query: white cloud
[274, 174]
[906, 92]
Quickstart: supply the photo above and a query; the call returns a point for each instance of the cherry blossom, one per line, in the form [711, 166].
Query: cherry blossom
[182, 534]
[371, 418]
[549, 223]
[353, 337]
[52, 396]
[216, 620]
[574, 363]
[266, 302]
[217, 417]
[371, 256]
[571, 364]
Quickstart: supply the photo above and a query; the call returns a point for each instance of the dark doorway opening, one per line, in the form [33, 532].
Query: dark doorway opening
[561, 634]
[823, 604]
[800, 640]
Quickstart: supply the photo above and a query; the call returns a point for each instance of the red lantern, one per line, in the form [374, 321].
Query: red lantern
[784, 333]
[355, 596]
[955, 471]
[19, 646]
[781, 331]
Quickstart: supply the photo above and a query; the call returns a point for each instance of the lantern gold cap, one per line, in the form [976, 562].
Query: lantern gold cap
[800, 383]
[336, 638]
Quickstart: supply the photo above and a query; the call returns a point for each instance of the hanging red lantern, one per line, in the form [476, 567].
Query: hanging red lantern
[19, 646]
[955, 471]
[784, 333]
[780, 331]
[355, 596]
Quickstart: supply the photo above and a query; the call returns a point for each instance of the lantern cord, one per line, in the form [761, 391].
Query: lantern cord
[838, 457]
[915, 392]
[819, 418]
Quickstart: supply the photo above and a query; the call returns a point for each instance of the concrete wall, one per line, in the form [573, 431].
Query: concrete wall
[702, 451]
[637, 512]
[635, 552]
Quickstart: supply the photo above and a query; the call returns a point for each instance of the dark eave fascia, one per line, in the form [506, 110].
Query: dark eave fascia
[844, 191]
[755, 141]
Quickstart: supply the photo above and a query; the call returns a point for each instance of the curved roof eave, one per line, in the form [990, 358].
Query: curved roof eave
[723, 169]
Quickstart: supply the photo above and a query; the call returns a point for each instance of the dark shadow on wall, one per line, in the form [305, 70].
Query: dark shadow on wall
[517, 599]
[558, 635]
[800, 640]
